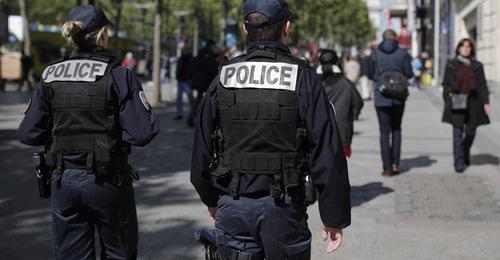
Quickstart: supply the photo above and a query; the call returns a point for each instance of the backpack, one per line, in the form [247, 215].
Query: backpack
[394, 83]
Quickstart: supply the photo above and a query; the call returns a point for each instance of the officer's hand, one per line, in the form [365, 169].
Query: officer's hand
[333, 236]
[212, 211]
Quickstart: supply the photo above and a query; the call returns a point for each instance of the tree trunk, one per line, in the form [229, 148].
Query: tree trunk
[26, 29]
[157, 55]
[119, 7]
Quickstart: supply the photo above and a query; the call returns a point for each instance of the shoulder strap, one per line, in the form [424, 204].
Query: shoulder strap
[379, 65]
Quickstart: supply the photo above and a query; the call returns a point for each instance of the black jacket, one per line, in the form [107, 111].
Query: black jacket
[474, 115]
[328, 165]
[182, 71]
[347, 102]
[204, 68]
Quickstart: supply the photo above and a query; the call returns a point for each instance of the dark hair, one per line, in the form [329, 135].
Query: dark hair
[271, 32]
[389, 35]
[471, 44]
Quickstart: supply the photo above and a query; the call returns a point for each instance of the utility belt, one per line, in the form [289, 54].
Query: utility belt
[46, 165]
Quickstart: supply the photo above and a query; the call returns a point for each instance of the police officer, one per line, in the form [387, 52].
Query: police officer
[87, 111]
[249, 160]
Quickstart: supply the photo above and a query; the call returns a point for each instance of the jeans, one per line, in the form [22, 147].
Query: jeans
[390, 119]
[463, 137]
[81, 204]
[276, 228]
[183, 87]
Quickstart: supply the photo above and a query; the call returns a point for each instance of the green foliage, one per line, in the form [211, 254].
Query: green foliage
[344, 22]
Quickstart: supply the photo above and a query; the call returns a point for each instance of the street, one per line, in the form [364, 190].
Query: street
[427, 212]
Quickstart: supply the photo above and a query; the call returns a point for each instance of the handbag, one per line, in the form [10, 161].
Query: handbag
[394, 83]
[459, 101]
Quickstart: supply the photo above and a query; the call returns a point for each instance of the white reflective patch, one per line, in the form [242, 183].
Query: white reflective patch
[144, 100]
[74, 70]
[263, 75]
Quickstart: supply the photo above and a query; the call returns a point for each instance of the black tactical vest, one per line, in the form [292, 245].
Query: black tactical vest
[257, 119]
[85, 118]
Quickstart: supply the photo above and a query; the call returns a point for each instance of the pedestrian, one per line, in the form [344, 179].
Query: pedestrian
[87, 110]
[343, 95]
[26, 65]
[264, 121]
[183, 76]
[352, 69]
[130, 62]
[204, 69]
[418, 68]
[165, 68]
[466, 100]
[389, 57]
[364, 81]
[2, 82]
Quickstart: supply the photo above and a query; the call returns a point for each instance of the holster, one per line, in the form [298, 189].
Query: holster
[42, 175]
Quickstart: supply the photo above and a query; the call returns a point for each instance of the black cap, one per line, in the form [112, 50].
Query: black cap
[328, 56]
[92, 17]
[274, 10]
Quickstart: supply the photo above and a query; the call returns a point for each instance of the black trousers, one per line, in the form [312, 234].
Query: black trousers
[390, 119]
[267, 226]
[463, 138]
[80, 205]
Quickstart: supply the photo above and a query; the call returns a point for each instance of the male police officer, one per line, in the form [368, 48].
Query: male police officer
[88, 111]
[249, 161]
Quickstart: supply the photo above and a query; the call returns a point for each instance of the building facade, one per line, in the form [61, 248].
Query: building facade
[480, 21]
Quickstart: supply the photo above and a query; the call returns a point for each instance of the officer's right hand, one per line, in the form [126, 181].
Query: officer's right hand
[333, 236]
[212, 211]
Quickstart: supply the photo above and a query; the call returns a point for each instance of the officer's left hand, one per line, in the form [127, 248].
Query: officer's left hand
[333, 236]
[212, 211]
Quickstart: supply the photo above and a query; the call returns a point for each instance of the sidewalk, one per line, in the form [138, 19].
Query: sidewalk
[428, 212]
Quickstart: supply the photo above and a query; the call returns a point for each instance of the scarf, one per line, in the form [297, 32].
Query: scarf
[466, 81]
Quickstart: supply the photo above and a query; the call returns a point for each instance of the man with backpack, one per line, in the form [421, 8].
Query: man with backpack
[389, 67]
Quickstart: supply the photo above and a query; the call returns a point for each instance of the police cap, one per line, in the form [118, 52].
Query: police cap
[92, 17]
[274, 10]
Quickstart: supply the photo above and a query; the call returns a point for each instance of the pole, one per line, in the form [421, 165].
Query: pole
[412, 16]
[437, 23]
[196, 36]
[157, 55]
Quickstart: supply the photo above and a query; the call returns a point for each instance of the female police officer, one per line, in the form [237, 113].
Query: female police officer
[87, 111]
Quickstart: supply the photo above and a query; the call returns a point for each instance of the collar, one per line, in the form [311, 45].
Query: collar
[268, 45]
[99, 51]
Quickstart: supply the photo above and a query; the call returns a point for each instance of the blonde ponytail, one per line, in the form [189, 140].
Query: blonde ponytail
[72, 32]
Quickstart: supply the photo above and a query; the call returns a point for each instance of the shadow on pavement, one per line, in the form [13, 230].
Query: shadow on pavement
[422, 161]
[367, 192]
[164, 167]
[482, 159]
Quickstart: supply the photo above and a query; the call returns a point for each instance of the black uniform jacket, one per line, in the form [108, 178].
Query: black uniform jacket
[139, 125]
[328, 164]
